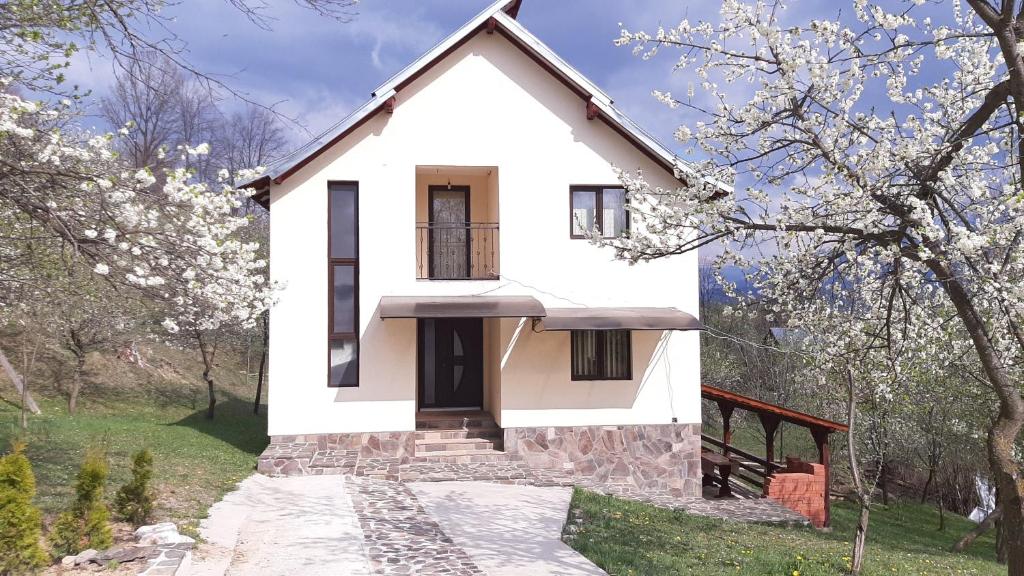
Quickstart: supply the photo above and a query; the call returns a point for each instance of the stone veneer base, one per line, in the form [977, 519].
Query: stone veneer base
[661, 457]
[664, 457]
[297, 455]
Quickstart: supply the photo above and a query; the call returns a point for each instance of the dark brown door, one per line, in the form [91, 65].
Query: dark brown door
[449, 232]
[451, 354]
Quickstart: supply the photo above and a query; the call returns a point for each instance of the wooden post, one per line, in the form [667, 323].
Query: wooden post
[770, 423]
[726, 410]
[821, 441]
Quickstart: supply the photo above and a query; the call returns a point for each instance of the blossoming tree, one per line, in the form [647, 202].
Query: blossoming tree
[178, 243]
[872, 357]
[882, 146]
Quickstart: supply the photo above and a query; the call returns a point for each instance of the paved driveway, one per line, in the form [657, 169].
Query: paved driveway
[316, 525]
[279, 526]
[506, 530]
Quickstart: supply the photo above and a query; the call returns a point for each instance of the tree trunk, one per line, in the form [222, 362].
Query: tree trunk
[1008, 422]
[259, 383]
[208, 353]
[1010, 545]
[28, 355]
[24, 406]
[883, 472]
[934, 456]
[17, 381]
[1000, 541]
[212, 396]
[860, 538]
[76, 384]
[984, 526]
[863, 496]
[263, 364]
[927, 484]
[942, 516]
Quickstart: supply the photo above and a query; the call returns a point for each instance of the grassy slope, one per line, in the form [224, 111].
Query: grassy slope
[123, 408]
[628, 538]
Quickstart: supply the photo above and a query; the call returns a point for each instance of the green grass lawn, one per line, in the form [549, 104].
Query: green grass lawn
[629, 538]
[195, 460]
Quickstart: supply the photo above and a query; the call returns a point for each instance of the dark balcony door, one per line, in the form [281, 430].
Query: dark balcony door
[449, 232]
[451, 367]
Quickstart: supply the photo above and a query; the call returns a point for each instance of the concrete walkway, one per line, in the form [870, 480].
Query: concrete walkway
[320, 525]
[281, 526]
[506, 530]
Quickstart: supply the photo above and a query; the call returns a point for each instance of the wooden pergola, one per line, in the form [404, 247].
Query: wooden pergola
[770, 416]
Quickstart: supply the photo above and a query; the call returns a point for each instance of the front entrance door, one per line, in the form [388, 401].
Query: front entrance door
[451, 352]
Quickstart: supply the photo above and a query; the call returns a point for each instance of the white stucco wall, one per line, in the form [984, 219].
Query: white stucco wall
[486, 105]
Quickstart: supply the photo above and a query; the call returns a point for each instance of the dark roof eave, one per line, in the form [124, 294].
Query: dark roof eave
[261, 191]
[754, 405]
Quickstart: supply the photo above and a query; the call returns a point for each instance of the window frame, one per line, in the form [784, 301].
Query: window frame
[598, 190]
[332, 263]
[601, 361]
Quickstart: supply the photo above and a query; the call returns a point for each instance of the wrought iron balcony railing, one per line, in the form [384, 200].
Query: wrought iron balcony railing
[456, 250]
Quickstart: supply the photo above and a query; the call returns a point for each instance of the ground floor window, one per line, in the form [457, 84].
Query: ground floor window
[602, 355]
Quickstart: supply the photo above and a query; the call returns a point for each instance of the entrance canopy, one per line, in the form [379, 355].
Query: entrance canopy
[618, 319]
[460, 307]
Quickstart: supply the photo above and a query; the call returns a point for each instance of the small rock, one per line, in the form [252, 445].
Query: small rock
[124, 554]
[85, 556]
[109, 554]
[68, 561]
[165, 537]
[161, 534]
[161, 527]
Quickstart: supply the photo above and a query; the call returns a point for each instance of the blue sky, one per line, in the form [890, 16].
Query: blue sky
[318, 70]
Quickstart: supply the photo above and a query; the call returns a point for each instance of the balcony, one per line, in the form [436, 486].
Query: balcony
[457, 250]
[457, 223]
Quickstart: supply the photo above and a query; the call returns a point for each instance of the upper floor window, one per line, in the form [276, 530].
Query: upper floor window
[599, 210]
[343, 275]
[602, 355]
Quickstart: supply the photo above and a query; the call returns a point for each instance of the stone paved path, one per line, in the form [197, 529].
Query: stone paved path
[400, 537]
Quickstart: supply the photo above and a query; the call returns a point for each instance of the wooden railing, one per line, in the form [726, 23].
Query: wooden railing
[761, 471]
[770, 416]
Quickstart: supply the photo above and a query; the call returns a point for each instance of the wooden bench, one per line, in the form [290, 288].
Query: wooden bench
[709, 461]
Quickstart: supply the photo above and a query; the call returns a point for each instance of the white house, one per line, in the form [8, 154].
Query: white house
[441, 300]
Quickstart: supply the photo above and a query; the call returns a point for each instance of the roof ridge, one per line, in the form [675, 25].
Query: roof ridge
[494, 8]
[500, 15]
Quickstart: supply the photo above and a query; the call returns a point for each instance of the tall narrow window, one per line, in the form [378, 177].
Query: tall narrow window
[343, 274]
[597, 210]
[601, 355]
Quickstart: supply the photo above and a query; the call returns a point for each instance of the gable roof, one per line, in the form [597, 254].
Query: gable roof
[499, 17]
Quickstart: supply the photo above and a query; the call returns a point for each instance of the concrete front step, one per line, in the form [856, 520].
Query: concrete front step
[454, 423]
[457, 433]
[454, 419]
[455, 445]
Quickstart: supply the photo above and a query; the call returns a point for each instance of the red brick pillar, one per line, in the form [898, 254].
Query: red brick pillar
[800, 486]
